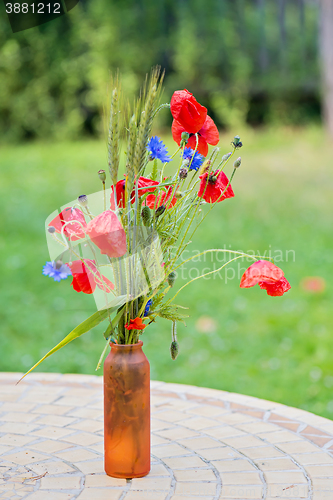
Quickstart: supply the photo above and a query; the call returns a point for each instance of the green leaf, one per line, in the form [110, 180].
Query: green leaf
[79, 330]
[102, 355]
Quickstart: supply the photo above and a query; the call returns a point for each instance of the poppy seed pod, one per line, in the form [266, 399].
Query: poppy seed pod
[238, 162]
[83, 200]
[146, 216]
[171, 278]
[160, 210]
[174, 349]
[184, 139]
[102, 175]
[178, 195]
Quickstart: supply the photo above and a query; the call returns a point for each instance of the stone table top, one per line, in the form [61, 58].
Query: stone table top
[206, 444]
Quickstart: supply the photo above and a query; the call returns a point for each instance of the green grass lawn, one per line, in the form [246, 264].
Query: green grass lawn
[241, 340]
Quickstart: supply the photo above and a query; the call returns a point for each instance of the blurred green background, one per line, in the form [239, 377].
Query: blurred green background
[255, 66]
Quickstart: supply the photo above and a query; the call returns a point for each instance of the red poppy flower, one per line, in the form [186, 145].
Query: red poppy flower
[187, 111]
[268, 276]
[207, 134]
[135, 324]
[73, 231]
[163, 198]
[145, 185]
[108, 234]
[213, 187]
[86, 277]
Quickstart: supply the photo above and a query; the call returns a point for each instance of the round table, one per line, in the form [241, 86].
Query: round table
[206, 444]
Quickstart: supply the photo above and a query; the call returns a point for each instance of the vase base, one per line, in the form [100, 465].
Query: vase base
[126, 476]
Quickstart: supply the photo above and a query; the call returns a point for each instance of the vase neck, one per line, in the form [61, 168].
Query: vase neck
[127, 347]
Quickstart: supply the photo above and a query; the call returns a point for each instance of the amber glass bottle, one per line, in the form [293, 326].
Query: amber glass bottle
[126, 411]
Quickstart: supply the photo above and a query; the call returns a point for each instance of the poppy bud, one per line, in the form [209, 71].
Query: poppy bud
[160, 210]
[146, 216]
[238, 162]
[178, 195]
[102, 175]
[83, 199]
[51, 229]
[183, 173]
[237, 142]
[171, 278]
[226, 157]
[184, 139]
[174, 349]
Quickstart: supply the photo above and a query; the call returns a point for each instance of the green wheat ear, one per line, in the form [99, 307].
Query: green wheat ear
[150, 97]
[132, 137]
[113, 133]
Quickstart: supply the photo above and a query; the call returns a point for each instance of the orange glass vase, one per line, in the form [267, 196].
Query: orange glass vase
[126, 411]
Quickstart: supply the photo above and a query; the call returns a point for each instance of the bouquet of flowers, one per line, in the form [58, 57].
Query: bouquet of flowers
[123, 244]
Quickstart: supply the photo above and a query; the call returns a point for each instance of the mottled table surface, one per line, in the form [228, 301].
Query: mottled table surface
[206, 444]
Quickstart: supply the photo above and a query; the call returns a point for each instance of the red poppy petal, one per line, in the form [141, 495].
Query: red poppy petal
[262, 270]
[74, 231]
[83, 285]
[177, 100]
[151, 203]
[276, 289]
[209, 132]
[215, 192]
[223, 181]
[107, 232]
[202, 144]
[177, 129]
[82, 277]
[149, 184]
[103, 283]
[186, 109]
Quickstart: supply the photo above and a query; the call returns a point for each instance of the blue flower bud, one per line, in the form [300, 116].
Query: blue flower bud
[83, 199]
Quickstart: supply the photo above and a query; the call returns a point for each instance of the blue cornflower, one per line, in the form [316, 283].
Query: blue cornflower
[157, 149]
[147, 308]
[197, 158]
[56, 270]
